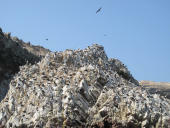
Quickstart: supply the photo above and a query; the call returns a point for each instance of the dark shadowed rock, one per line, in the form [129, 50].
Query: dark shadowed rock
[15, 53]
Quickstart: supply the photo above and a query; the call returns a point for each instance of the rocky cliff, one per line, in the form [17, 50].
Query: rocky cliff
[14, 53]
[79, 88]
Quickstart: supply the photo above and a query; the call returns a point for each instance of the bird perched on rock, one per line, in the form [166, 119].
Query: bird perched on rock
[98, 10]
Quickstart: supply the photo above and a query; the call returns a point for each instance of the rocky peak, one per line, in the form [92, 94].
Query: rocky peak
[80, 88]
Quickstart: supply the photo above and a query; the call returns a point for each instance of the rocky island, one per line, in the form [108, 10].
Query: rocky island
[72, 89]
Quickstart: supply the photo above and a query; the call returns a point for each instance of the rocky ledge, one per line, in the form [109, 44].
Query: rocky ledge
[80, 88]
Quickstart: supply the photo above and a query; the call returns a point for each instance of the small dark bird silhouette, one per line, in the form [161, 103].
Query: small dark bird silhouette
[46, 39]
[98, 10]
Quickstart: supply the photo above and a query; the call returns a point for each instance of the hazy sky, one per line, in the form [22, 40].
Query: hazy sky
[135, 31]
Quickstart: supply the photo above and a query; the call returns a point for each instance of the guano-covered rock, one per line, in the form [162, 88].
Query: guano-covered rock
[80, 88]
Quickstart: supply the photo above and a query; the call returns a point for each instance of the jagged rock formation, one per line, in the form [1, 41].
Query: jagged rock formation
[14, 53]
[162, 88]
[81, 88]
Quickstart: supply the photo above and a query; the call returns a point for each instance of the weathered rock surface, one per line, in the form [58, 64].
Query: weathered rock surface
[14, 53]
[81, 88]
[162, 88]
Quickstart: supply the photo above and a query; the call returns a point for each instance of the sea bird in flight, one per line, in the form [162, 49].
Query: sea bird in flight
[98, 10]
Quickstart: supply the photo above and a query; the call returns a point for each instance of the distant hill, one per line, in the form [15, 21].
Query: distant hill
[162, 88]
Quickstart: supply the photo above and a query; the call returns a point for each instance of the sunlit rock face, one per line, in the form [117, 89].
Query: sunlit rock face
[80, 88]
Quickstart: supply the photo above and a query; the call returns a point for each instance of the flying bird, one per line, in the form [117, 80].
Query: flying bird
[98, 10]
[46, 39]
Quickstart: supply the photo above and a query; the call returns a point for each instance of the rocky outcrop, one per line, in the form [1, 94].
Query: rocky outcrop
[162, 88]
[81, 88]
[14, 53]
[35, 50]
[122, 70]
